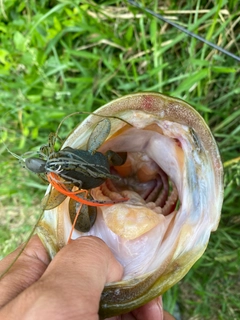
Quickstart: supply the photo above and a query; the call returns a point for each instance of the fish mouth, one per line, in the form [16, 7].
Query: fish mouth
[143, 180]
[151, 183]
[164, 178]
[173, 180]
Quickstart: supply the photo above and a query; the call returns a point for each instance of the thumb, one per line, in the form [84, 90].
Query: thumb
[71, 286]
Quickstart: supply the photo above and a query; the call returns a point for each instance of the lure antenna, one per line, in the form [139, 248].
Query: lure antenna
[14, 154]
[85, 112]
[189, 33]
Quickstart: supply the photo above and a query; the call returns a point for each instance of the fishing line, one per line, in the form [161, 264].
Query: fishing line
[189, 33]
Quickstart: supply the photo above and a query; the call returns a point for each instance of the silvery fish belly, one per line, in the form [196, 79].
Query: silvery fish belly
[173, 179]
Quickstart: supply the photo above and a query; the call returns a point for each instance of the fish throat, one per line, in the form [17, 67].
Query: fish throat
[151, 192]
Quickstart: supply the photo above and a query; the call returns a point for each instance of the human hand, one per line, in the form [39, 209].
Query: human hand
[67, 288]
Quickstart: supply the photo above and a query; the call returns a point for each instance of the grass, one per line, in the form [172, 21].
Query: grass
[57, 57]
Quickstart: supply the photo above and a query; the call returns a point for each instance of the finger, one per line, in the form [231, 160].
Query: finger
[167, 316]
[151, 310]
[126, 316]
[72, 284]
[28, 268]
[89, 256]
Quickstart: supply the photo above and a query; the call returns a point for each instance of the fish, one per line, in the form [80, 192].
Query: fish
[173, 180]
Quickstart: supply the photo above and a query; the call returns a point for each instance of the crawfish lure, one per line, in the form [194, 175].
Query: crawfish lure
[84, 169]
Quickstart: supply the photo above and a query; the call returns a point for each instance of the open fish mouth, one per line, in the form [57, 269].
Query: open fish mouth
[173, 180]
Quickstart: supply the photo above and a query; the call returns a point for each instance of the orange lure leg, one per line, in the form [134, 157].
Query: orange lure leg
[55, 182]
[53, 179]
[75, 221]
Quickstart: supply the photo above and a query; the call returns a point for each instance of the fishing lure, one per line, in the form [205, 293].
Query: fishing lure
[85, 169]
[70, 168]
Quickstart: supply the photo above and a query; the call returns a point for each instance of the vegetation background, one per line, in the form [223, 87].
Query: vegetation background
[57, 57]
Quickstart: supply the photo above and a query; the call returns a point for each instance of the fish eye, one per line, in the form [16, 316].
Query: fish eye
[36, 165]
